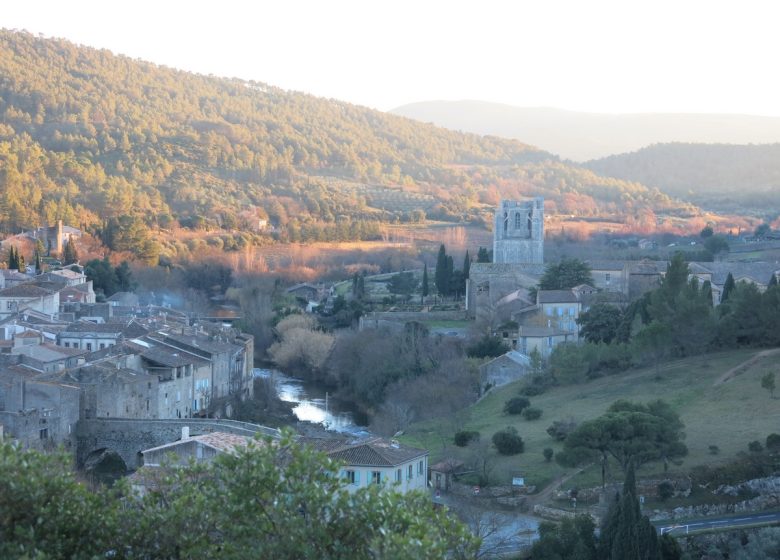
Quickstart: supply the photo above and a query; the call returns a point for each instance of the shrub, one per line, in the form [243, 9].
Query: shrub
[560, 429]
[755, 447]
[665, 490]
[508, 442]
[516, 405]
[532, 390]
[548, 454]
[531, 413]
[773, 442]
[464, 437]
[714, 449]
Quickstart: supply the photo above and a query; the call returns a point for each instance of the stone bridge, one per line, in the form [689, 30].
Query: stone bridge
[128, 437]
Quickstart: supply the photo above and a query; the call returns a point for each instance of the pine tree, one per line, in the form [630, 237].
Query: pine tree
[772, 281]
[728, 287]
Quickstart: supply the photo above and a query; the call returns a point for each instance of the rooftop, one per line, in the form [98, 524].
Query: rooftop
[374, 452]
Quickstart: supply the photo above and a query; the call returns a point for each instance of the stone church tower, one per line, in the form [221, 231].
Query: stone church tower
[518, 232]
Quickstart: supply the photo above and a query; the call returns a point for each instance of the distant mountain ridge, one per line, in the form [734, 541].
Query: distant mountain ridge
[583, 136]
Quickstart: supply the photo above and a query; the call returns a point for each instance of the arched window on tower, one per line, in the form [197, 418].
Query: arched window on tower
[518, 221]
[506, 221]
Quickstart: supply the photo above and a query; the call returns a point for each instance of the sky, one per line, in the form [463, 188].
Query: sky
[596, 55]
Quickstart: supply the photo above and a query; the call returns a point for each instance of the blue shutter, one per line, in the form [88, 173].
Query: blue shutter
[357, 477]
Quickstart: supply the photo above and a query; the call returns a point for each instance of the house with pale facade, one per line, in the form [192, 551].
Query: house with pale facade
[21, 297]
[376, 461]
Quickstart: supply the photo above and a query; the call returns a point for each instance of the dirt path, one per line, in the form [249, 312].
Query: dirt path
[743, 367]
[546, 493]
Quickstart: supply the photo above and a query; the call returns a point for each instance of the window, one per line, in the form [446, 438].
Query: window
[102, 345]
[350, 477]
[518, 221]
[44, 433]
[89, 346]
[420, 467]
[67, 345]
[608, 277]
[75, 345]
[376, 477]
[549, 342]
[398, 476]
[9, 305]
[410, 473]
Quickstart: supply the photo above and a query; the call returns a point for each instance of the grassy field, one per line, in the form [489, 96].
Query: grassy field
[728, 415]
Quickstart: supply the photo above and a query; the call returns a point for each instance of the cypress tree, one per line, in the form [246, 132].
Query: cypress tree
[424, 283]
[69, 254]
[627, 534]
[13, 264]
[20, 262]
[448, 277]
[440, 274]
[728, 287]
[466, 265]
[772, 281]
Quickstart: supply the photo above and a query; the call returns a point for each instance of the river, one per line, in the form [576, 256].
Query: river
[313, 403]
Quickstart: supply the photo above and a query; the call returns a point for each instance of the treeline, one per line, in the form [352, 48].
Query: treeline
[676, 320]
[277, 499]
[87, 136]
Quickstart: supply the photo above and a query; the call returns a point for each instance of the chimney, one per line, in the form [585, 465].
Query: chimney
[185, 432]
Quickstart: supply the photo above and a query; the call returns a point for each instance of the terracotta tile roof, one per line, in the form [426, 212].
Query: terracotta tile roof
[374, 452]
[25, 291]
[556, 296]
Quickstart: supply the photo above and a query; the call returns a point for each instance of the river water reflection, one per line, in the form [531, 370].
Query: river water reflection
[309, 400]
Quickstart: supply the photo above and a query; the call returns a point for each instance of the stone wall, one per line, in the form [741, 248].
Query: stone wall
[396, 319]
[129, 437]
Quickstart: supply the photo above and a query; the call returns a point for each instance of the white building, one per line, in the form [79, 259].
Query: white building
[376, 461]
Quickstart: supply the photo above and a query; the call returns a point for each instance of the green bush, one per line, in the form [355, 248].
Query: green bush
[508, 442]
[665, 490]
[464, 437]
[548, 454]
[531, 413]
[755, 447]
[532, 390]
[516, 405]
[773, 442]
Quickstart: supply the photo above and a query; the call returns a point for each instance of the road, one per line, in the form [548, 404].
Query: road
[717, 523]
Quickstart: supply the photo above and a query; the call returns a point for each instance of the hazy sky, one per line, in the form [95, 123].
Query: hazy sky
[592, 55]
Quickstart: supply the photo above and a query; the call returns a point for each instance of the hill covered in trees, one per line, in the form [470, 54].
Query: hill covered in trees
[88, 137]
[723, 175]
[583, 136]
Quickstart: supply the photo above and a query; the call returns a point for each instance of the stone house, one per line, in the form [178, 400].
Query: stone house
[198, 448]
[92, 336]
[21, 297]
[505, 368]
[542, 339]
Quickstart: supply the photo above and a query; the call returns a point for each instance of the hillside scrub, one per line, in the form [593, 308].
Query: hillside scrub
[130, 149]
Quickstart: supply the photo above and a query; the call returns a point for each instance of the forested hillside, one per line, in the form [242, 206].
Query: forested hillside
[86, 136]
[723, 174]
